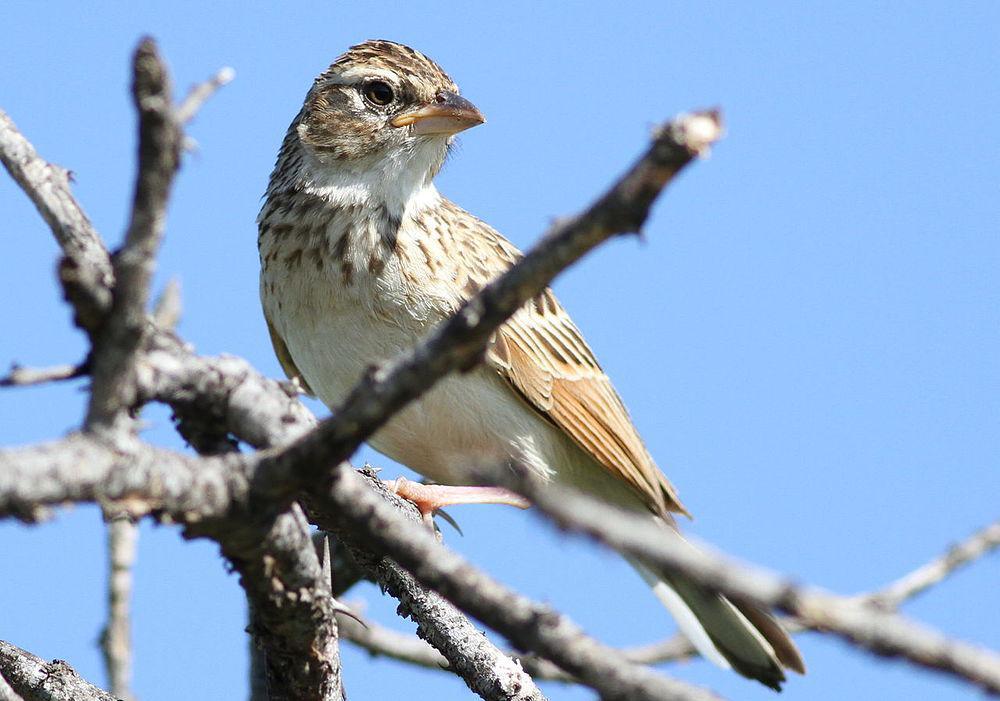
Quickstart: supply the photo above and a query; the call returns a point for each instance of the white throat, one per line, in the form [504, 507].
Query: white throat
[400, 181]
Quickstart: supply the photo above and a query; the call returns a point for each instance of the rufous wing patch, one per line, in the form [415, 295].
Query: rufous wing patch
[544, 357]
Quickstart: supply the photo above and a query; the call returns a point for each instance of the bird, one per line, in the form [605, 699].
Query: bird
[361, 256]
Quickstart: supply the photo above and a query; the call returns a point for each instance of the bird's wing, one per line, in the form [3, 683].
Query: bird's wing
[284, 357]
[542, 354]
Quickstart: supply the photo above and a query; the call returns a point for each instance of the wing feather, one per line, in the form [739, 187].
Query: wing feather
[285, 357]
[543, 356]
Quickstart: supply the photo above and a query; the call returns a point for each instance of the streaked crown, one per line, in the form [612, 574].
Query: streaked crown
[423, 73]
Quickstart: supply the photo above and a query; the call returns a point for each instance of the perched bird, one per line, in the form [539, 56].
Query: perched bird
[360, 256]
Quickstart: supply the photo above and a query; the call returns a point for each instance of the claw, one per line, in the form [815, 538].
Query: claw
[430, 498]
[447, 518]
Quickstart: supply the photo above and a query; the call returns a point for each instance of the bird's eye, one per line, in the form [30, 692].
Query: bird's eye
[378, 92]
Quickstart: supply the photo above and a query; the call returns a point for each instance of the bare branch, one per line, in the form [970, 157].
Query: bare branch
[210, 497]
[926, 576]
[116, 638]
[6, 692]
[384, 642]
[116, 345]
[34, 679]
[144, 480]
[20, 376]
[292, 616]
[201, 92]
[371, 523]
[167, 308]
[486, 669]
[47, 185]
[865, 626]
[225, 392]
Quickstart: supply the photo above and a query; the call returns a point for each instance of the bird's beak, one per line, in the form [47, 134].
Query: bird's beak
[447, 115]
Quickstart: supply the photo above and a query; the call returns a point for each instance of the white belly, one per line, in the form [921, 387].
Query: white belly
[465, 422]
[468, 421]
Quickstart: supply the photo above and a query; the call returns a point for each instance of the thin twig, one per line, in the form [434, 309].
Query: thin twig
[167, 308]
[20, 376]
[926, 576]
[116, 639]
[200, 93]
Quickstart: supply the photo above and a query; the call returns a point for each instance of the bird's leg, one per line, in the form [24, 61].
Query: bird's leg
[428, 498]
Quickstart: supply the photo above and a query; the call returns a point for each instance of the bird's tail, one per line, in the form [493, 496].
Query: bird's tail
[733, 635]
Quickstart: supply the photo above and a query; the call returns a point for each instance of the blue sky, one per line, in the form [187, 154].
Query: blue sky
[808, 338]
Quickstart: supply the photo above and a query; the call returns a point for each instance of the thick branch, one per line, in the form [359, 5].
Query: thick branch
[292, 609]
[209, 496]
[82, 468]
[34, 679]
[221, 393]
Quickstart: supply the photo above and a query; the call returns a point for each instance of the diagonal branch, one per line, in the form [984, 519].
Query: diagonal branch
[380, 641]
[201, 92]
[86, 260]
[863, 625]
[379, 528]
[20, 376]
[926, 576]
[464, 649]
[34, 679]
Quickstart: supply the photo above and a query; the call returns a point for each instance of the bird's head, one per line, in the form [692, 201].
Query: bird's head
[383, 108]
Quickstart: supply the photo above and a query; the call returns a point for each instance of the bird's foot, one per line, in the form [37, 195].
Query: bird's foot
[429, 498]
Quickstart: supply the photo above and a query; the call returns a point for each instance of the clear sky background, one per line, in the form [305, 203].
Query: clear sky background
[808, 338]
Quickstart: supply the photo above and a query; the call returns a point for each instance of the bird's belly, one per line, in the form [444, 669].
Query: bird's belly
[466, 422]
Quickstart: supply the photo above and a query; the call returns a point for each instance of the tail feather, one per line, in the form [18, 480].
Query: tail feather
[734, 636]
[785, 650]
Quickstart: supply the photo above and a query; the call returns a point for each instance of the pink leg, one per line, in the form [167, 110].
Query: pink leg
[428, 498]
